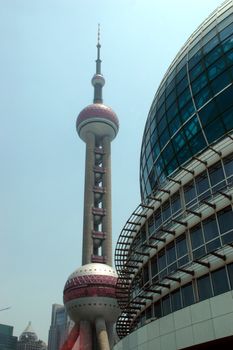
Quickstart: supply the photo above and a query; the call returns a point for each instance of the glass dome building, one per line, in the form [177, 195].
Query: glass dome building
[174, 256]
[192, 108]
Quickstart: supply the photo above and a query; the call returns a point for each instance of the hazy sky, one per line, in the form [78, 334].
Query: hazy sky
[46, 63]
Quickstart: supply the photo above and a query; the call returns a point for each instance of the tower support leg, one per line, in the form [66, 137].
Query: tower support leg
[102, 335]
[85, 336]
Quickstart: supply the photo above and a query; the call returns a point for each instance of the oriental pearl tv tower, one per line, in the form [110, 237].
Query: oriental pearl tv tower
[90, 291]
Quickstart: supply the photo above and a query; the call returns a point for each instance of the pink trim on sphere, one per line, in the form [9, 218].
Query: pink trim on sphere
[97, 110]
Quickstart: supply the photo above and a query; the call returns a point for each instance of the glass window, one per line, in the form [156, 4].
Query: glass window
[184, 98]
[220, 82]
[189, 192]
[199, 83]
[187, 295]
[175, 203]
[228, 165]
[170, 253]
[158, 218]
[213, 56]
[210, 45]
[216, 176]
[213, 131]
[179, 140]
[176, 300]
[197, 143]
[202, 97]
[151, 225]
[172, 112]
[210, 228]
[202, 185]
[174, 125]
[183, 71]
[225, 220]
[219, 281]
[209, 112]
[196, 237]
[148, 312]
[157, 309]
[164, 138]
[224, 100]
[184, 154]
[187, 111]
[182, 85]
[181, 246]
[227, 119]
[213, 245]
[230, 273]
[166, 305]
[204, 287]
[226, 32]
[166, 210]
[162, 260]
[198, 69]
[195, 59]
[154, 266]
[216, 68]
[228, 44]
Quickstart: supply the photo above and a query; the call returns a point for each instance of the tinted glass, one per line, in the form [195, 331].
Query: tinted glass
[204, 288]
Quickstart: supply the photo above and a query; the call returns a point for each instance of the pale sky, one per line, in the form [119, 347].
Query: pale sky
[47, 61]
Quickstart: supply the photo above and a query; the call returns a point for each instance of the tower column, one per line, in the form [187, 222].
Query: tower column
[88, 200]
[102, 335]
[107, 201]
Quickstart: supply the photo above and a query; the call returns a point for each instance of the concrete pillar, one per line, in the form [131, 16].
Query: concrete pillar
[107, 201]
[102, 335]
[88, 200]
[85, 336]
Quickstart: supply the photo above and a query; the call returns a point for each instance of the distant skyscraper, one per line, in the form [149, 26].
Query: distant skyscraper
[59, 329]
[89, 293]
[7, 340]
[28, 340]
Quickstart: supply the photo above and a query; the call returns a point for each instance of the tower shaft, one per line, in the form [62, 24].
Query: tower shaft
[97, 221]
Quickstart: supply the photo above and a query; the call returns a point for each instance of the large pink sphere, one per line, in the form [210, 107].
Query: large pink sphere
[98, 119]
[90, 292]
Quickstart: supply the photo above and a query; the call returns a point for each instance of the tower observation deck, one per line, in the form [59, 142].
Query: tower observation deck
[89, 293]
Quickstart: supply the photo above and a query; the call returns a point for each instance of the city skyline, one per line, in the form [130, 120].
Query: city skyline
[45, 83]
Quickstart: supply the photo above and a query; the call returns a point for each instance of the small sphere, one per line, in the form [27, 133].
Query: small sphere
[98, 119]
[98, 79]
[90, 292]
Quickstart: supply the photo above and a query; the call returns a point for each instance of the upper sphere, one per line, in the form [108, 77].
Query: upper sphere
[99, 119]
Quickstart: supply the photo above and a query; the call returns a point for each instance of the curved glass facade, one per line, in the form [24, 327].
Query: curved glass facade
[193, 106]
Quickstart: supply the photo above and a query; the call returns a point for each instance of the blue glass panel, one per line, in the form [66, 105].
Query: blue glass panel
[170, 87]
[213, 56]
[160, 113]
[227, 119]
[171, 98]
[187, 111]
[154, 137]
[172, 111]
[174, 125]
[210, 45]
[229, 57]
[228, 44]
[183, 99]
[221, 82]
[182, 85]
[191, 128]
[203, 96]
[214, 130]
[208, 113]
[179, 140]
[168, 153]
[180, 75]
[162, 124]
[164, 138]
[197, 143]
[199, 83]
[225, 99]
[196, 71]
[216, 68]
[184, 154]
[173, 165]
[195, 59]
[226, 32]
[156, 150]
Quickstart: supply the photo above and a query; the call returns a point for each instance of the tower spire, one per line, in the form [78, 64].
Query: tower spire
[98, 79]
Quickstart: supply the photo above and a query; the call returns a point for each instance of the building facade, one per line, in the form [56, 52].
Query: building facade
[174, 256]
[28, 340]
[7, 340]
[59, 328]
